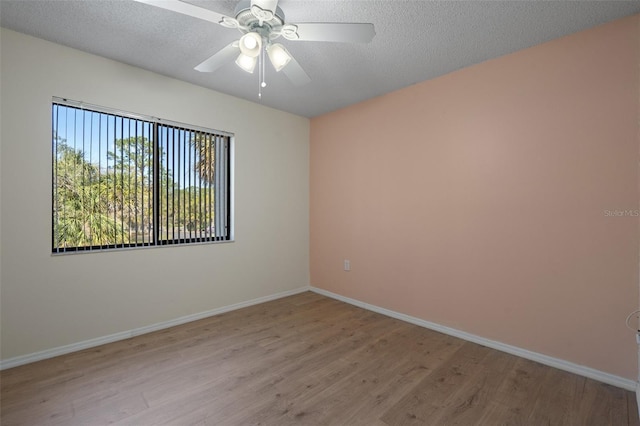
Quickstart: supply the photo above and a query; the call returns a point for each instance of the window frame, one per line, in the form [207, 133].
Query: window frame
[226, 175]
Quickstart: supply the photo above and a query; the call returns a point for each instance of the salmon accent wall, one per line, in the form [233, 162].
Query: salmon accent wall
[499, 200]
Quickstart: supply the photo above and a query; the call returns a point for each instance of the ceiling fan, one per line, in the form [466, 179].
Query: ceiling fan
[261, 22]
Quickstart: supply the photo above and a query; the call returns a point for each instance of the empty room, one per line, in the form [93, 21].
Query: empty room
[335, 212]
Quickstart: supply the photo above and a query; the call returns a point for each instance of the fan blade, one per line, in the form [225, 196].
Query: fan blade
[194, 11]
[295, 73]
[329, 31]
[223, 56]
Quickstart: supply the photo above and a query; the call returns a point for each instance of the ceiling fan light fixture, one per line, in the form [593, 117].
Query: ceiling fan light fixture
[278, 55]
[251, 44]
[247, 63]
[260, 22]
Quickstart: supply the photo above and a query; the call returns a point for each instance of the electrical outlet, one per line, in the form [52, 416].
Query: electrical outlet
[347, 265]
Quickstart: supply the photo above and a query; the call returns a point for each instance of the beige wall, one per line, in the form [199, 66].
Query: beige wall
[477, 200]
[52, 301]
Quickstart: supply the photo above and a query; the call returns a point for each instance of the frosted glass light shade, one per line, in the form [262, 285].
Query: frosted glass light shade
[247, 63]
[251, 44]
[278, 55]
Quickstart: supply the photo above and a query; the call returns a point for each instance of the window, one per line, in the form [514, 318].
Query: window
[123, 180]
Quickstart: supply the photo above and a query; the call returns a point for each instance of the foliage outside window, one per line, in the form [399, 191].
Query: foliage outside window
[121, 180]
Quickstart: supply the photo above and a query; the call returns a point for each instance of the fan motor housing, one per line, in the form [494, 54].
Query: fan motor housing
[248, 20]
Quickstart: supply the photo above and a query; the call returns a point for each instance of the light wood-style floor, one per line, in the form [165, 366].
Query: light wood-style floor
[305, 360]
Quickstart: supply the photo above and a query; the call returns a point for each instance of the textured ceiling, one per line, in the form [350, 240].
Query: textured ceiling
[415, 41]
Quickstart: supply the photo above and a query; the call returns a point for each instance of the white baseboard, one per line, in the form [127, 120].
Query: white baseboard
[534, 356]
[61, 350]
[582, 370]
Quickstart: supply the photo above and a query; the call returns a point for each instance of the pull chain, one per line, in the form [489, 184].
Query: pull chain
[260, 75]
[261, 70]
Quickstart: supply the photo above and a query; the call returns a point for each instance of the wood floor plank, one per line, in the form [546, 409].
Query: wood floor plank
[429, 397]
[513, 401]
[361, 371]
[632, 409]
[555, 404]
[302, 360]
[604, 404]
[49, 412]
[466, 404]
[407, 376]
